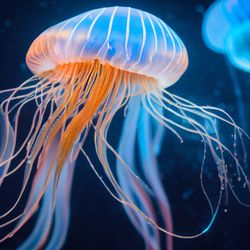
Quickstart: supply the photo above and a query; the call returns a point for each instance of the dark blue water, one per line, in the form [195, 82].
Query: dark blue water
[97, 220]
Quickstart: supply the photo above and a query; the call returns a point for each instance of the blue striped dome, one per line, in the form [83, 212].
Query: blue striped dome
[126, 38]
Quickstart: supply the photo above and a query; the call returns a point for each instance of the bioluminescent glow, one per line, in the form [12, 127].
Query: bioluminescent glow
[226, 30]
[85, 70]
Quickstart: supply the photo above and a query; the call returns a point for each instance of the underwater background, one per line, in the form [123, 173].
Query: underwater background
[97, 220]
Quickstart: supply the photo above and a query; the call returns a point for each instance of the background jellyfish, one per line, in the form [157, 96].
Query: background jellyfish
[231, 39]
[78, 92]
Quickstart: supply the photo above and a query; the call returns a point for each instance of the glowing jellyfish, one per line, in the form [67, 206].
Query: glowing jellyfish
[85, 70]
[226, 30]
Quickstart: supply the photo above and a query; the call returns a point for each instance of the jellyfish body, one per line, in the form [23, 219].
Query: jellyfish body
[239, 46]
[85, 70]
[226, 30]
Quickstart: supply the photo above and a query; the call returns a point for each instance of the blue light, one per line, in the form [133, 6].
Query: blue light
[226, 30]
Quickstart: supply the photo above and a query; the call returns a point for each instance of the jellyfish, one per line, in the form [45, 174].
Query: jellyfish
[232, 39]
[85, 70]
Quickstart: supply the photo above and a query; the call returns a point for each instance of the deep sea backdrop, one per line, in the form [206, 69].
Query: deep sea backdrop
[98, 222]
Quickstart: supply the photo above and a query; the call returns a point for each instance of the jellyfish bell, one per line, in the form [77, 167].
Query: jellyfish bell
[214, 37]
[238, 45]
[85, 70]
[226, 28]
[109, 36]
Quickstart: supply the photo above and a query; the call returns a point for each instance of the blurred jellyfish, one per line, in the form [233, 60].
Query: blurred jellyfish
[226, 30]
[85, 70]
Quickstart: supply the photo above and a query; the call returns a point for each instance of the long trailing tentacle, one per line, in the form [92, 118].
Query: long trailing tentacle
[151, 171]
[13, 155]
[92, 91]
[39, 140]
[62, 209]
[132, 185]
[83, 93]
[101, 147]
[9, 147]
[217, 148]
[180, 107]
[43, 225]
[41, 231]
